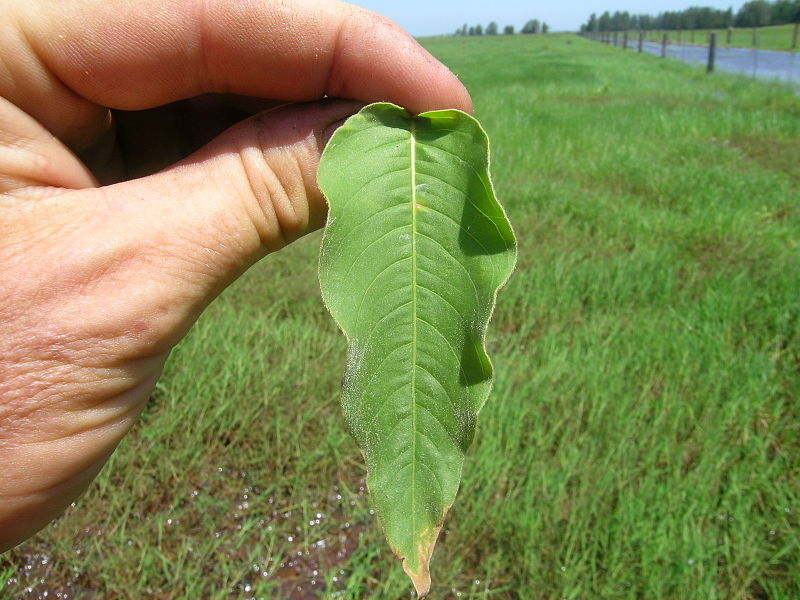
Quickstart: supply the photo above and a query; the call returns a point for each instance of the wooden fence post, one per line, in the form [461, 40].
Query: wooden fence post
[664, 46]
[712, 52]
[755, 53]
[728, 36]
[795, 35]
[625, 41]
[641, 40]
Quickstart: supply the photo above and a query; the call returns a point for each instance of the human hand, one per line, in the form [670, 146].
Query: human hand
[98, 283]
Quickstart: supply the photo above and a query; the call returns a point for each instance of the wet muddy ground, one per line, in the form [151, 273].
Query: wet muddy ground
[313, 569]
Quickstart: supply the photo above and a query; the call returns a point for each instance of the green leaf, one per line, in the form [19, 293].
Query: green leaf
[415, 249]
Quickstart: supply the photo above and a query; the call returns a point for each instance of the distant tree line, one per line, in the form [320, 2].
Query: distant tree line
[757, 13]
[532, 26]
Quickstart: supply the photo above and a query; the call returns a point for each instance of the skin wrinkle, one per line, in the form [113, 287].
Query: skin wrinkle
[31, 417]
[280, 196]
[334, 78]
[259, 186]
[56, 356]
[55, 412]
[292, 219]
[305, 192]
[279, 185]
[203, 49]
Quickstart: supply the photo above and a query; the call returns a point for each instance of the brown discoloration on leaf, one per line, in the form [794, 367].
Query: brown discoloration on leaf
[421, 577]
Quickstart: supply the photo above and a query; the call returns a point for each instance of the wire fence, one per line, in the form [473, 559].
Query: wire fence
[713, 49]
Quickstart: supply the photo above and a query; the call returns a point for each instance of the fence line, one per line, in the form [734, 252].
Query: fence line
[692, 36]
[757, 62]
[791, 38]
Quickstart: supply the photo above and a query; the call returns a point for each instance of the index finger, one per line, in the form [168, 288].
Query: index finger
[135, 55]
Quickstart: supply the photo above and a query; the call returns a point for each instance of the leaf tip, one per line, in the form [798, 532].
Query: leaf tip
[421, 575]
[421, 580]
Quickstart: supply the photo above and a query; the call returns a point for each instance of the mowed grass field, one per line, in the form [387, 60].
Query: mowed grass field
[642, 440]
[775, 37]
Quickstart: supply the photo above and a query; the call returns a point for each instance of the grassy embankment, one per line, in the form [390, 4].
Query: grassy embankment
[777, 37]
[643, 436]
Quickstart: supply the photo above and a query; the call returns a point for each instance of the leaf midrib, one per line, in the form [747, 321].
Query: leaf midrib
[413, 325]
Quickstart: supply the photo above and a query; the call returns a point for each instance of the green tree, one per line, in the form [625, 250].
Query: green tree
[728, 19]
[545, 27]
[491, 28]
[785, 11]
[754, 14]
[478, 29]
[508, 30]
[692, 18]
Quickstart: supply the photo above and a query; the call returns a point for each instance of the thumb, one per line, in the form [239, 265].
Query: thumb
[265, 167]
[192, 229]
[255, 185]
[100, 283]
[202, 222]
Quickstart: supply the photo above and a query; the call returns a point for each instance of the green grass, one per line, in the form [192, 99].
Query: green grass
[643, 437]
[776, 37]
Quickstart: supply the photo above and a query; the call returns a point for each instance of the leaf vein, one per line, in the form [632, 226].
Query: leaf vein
[456, 261]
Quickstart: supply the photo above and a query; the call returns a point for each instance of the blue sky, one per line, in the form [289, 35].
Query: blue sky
[431, 17]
